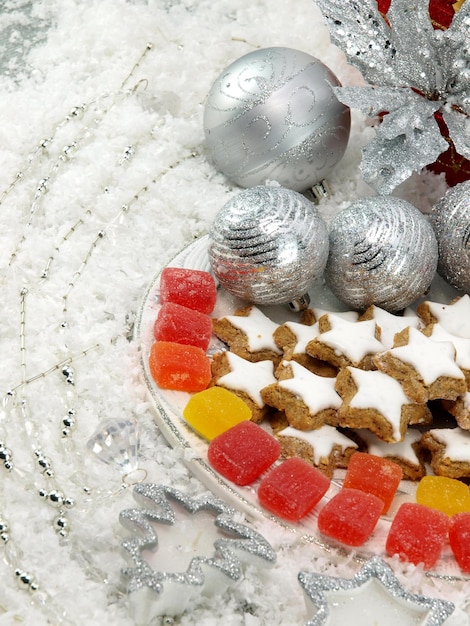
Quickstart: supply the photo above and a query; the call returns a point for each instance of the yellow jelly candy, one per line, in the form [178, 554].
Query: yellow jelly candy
[448, 495]
[215, 410]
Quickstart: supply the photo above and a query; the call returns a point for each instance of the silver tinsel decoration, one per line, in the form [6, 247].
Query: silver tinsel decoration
[267, 245]
[321, 592]
[413, 71]
[450, 218]
[272, 116]
[382, 251]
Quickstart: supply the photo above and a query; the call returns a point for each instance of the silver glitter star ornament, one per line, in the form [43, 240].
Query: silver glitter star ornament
[450, 218]
[383, 251]
[267, 245]
[272, 116]
[198, 548]
[373, 596]
[413, 72]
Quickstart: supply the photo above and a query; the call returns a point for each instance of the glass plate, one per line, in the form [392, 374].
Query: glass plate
[170, 404]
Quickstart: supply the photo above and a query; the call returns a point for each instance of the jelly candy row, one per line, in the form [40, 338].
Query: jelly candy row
[293, 488]
[182, 330]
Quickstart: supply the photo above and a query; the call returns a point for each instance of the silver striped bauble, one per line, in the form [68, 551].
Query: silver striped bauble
[268, 244]
[272, 115]
[382, 251]
[450, 218]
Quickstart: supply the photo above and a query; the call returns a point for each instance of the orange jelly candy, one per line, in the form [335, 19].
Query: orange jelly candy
[373, 474]
[213, 411]
[180, 367]
[448, 495]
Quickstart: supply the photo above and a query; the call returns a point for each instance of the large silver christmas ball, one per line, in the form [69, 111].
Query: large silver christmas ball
[450, 218]
[267, 245]
[383, 251]
[272, 116]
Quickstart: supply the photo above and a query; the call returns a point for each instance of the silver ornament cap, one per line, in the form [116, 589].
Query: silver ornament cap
[267, 245]
[383, 251]
[450, 218]
[272, 115]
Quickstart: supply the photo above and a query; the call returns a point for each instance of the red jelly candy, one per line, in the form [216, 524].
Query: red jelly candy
[350, 516]
[195, 289]
[179, 367]
[182, 325]
[242, 453]
[459, 539]
[292, 489]
[375, 475]
[417, 534]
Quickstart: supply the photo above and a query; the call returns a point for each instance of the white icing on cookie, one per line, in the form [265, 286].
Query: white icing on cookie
[321, 439]
[457, 442]
[401, 449]
[248, 377]
[466, 401]
[391, 324]
[461, 344]
[378, 391]
[453, 317]
[355, 340]
[431, 359]
[350, 316]
[303, 334]
[258, 328]
[316, 392]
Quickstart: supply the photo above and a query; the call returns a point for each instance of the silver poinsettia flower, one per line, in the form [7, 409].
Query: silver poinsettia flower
[412, 72]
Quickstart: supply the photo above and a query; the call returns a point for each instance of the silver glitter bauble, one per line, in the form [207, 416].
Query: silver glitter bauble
[450, 218]
[383, 251]
[272, 116]
[268, 244]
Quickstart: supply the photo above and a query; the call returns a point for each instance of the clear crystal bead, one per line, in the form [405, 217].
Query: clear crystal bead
[116, 442]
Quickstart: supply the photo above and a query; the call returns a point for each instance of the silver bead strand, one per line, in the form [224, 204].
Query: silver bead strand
[68, 150]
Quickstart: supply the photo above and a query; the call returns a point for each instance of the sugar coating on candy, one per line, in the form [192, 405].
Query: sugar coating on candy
[373, 474]
[179, 367]
[459, 539]
[244, 452]
[195, 289]
[213, 411]
[417, 534]
[292, 489]
[448, 495]
[181, 324]
[350, 517]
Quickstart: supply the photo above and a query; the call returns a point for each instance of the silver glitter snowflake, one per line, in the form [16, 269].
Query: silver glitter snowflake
[155, 592]
[412, 71]
[322, 593]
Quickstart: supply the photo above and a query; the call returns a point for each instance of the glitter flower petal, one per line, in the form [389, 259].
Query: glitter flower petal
[414, 72]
